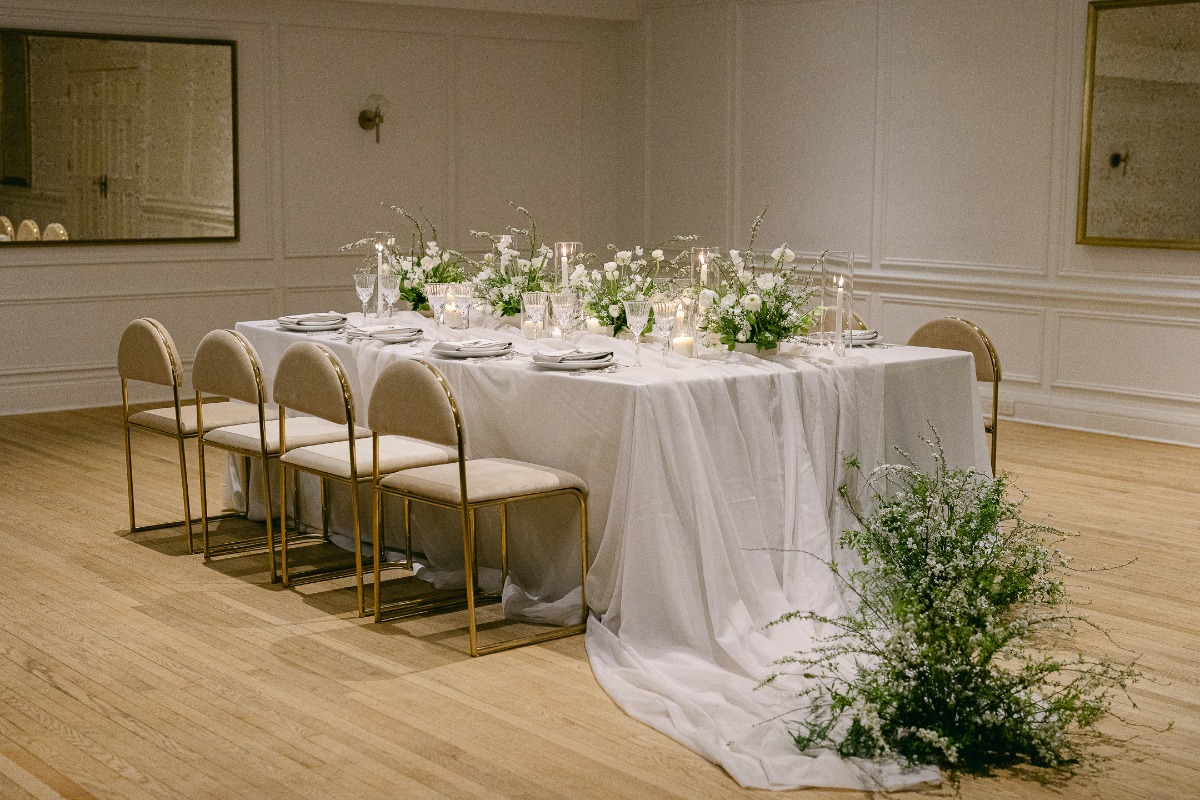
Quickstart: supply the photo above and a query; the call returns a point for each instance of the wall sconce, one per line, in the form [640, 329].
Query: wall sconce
[371, 117]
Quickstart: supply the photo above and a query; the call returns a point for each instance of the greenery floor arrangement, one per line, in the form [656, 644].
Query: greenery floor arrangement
[959, 651]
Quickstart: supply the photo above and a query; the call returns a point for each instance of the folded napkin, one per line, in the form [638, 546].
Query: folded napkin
[572, 356]
[316, 318]
[863, 336]
[392, 331]
[859, 338]
[471, 346]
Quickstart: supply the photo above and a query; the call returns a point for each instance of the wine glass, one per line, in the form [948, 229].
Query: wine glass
[564, 305]
[436, 293]
[535, 311]
[364, 287]
[637, 314]
[465, 292]
[389, 288]
[664, 323]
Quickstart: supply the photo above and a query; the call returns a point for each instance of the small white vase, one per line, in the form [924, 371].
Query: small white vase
[752, 349]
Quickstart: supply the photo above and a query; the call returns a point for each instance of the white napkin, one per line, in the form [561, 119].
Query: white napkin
[471, 347]
[573, 356]
[316, 318]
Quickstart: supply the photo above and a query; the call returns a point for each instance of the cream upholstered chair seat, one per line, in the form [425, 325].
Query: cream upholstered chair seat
[395, 453]
[216, 415]
[488, 479]
[301, 432]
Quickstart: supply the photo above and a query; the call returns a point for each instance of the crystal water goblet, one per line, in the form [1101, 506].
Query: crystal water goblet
[563, 305]
[436, 293]
[364, 287]
[637, 314]
[534, 304]
[664, 323]
[389, 288]
[465, 292]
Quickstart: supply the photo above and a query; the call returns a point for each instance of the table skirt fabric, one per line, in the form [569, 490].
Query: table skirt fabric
[713, 511]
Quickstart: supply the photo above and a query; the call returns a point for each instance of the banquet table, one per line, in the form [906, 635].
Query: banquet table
[713, 510]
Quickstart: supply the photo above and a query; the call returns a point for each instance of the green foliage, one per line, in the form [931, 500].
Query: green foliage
[956, 654]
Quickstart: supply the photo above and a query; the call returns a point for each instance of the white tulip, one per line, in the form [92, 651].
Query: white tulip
[783, 252]
[657, 255]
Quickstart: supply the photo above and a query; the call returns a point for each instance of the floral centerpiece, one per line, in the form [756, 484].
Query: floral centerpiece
[423, 262]
[759, 301]
[504, 273]
[957, 653]
[628, 275]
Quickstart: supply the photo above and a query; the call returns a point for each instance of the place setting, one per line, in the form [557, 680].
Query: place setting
[577, 361]
[317, 322]
[472, 349]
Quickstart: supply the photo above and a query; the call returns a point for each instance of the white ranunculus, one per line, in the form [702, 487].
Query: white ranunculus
[623, 257]
[736, 257]
[783, 252]
[707, 298]
[752, 302]
[658, 255]
[728, 300]
[767, 281]
[614, 311]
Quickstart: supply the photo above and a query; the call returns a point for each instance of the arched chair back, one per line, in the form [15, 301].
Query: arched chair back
[956, 333]
[6, 228]
[411, 399]
[147, 353]
[28, 231]
[311, 380]
[828, 321]
[55, 232]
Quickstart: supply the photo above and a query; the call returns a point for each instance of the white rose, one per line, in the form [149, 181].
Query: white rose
[752, 302]
[783, 252]
[657, 255]
[614, 311]
[766, 281]
[707, 298]
[736, 257]
[728, 300]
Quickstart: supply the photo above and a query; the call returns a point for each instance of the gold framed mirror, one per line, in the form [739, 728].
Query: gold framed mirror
[117, 139]
[1139, 167]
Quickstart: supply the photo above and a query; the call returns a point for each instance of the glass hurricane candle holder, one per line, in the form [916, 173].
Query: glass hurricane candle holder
[837, 299]
[564, 254]
[704, 270]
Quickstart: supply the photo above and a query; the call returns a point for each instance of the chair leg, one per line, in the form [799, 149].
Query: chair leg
[357, 528]
[129, 478]
[283, 528]
[468, 532]
[503, 544]
[407, 536]
[203, 498]
[266, 490]
[187, 504]
[583, 548]
[376, 551]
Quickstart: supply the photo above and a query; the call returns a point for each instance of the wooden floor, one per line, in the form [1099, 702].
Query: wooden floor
[129, 669]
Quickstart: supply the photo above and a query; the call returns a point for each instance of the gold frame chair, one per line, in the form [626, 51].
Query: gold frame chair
[147, 353]
[412, 398]
[956, 333]
[310, 379]
[226, 364]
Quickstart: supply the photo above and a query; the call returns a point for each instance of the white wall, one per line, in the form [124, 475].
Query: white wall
[939, 139]
[486, 106]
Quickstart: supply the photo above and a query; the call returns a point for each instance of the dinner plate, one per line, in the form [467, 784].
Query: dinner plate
[447, 350]
[323, 326]
[571, 366]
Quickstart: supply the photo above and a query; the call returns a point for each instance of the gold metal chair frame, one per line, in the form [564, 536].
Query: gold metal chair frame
[353, 484]
[989, 427]
[253, 543]
[179, 436]
[466, 509]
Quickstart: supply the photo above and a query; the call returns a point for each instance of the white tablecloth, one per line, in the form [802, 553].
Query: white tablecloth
[713, 500]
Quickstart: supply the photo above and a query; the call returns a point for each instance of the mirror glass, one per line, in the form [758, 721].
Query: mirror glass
[1140, 159]
[117, 139]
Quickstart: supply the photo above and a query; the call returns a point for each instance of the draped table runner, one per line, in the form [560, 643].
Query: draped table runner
[713, 504]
